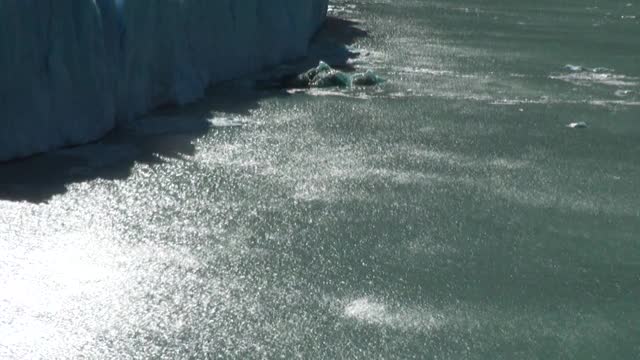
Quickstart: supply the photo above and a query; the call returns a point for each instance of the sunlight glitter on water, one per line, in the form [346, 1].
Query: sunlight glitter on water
[448, 213]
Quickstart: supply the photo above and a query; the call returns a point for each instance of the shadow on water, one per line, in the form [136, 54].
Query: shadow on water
[167, 133]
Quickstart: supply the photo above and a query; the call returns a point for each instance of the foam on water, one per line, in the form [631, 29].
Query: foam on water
[588, 78]
[222, 122]
[584, 76]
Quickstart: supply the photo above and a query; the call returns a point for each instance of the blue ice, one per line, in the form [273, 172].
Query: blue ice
[73, 70]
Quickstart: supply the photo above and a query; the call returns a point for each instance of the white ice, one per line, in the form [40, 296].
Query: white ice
[71, 70]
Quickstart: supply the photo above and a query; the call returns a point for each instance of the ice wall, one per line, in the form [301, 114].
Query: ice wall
[70, 70]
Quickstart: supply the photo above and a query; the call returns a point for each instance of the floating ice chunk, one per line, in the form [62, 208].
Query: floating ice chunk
[577, 125]
[321, 76]
[323, 66]
[331, 78]
[576, 68]
[324, 76]
[369, 78]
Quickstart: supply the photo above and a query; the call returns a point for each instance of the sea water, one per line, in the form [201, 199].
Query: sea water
[451, 212]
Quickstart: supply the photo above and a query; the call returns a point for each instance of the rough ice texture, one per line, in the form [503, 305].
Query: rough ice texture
[70, 70]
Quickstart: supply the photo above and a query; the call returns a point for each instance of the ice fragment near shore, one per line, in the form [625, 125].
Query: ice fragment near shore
[324, 76]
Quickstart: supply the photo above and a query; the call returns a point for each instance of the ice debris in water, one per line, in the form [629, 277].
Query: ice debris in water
[324, 76]
[369, 78]
[573, 67]
[577, 125]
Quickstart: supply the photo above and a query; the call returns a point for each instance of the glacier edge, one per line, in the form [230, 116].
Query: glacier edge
[70, 71]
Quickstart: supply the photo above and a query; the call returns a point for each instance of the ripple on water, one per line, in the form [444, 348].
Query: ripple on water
[585, 76]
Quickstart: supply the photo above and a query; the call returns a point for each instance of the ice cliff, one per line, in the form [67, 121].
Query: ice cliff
[70, 70]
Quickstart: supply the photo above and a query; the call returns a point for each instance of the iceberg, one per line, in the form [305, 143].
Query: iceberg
[70, 71]
[368, 78]
[324, 76]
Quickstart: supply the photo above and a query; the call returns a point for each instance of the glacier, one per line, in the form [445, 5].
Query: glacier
[72, 70]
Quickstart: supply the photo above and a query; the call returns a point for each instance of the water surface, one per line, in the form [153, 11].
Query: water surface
[446, 214]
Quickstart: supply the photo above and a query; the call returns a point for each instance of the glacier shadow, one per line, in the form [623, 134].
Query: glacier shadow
[164, 134]
[168, 132]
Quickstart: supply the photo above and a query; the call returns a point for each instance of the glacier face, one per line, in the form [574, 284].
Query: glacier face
[70, 70]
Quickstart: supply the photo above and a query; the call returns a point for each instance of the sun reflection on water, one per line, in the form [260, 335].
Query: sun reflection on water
[48, 285]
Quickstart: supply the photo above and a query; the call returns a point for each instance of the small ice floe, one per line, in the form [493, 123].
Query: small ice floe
[575, 68]
[324, 76]
[577, 125]
[369, 78]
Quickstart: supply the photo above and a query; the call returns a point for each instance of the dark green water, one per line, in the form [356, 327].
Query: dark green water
[447, 214]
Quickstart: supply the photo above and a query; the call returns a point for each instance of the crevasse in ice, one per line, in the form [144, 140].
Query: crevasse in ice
[70, 70]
